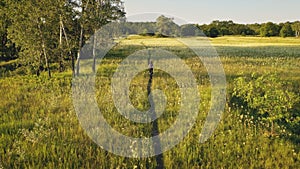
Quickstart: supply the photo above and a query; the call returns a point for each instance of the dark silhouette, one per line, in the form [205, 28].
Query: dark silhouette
[155, 132]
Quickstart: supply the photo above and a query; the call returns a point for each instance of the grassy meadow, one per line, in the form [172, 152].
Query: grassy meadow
[39, 127]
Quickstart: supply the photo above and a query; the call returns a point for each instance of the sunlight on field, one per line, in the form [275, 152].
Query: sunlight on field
[225, 41]
[39, 126]
[254, 41]
[149, 41]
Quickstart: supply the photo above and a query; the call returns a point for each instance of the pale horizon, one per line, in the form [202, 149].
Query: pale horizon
[206, 11]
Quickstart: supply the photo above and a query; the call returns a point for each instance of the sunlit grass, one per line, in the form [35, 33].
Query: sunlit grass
[254, 41]
[39, 127]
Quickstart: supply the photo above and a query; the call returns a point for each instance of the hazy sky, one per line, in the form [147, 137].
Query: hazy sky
[205, 11]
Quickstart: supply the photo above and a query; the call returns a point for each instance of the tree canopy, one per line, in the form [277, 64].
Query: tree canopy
[52, 31]
[166, 26]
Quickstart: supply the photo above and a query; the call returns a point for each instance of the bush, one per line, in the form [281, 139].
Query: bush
[267, 96]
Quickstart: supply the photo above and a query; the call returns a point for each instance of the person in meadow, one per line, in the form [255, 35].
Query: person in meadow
[151, 68]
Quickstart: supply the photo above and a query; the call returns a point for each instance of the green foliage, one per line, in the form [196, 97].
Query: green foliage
[223, 28]
[286, 30]
[35, 30]
[296, 28]
[213, 32]
[133, 28]
[269, 29]
[267, 95]
[95, 14]
[166, 26]
[188, 30]
[8, 50]
[48, 31]
[255, 27]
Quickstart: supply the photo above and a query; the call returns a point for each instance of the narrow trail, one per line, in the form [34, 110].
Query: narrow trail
[156, 141]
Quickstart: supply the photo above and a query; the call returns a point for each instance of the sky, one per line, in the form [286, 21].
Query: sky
[205, 11]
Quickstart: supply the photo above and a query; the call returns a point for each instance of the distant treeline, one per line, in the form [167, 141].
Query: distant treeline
[221, 28]
[166, 26]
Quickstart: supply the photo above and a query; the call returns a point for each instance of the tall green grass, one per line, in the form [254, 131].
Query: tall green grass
[39, 127]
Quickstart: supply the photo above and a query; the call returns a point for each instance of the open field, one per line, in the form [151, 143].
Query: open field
[39, 127]
[254, 41]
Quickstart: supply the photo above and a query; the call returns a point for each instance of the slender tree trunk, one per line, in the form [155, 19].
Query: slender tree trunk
[60, 45]
[71, 54]
[73, 64]
[44, 51]
[80, 41]
[94, 52]
[78, 52]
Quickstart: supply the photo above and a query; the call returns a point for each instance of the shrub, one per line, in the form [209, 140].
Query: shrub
[267, 96]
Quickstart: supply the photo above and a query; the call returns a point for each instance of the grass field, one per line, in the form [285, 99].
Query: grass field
[39, 127]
